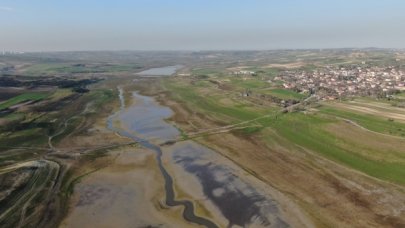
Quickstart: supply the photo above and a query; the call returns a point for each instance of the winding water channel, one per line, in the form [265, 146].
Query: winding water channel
[137, 124]
[234, 197]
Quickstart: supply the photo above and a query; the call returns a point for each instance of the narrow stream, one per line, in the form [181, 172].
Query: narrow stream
[188, 212]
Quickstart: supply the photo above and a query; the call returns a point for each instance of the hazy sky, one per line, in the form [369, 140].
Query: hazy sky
[52, 25]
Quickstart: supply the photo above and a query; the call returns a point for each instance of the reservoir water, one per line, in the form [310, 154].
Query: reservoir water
[236, 199]
[161, 71]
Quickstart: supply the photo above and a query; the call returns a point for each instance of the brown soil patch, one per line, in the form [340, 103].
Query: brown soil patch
[127, 193]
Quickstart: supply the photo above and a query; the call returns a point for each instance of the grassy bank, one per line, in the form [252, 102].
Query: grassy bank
[311, 131]
[371, 122]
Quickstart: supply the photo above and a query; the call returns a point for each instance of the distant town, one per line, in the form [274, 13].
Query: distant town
[332, 82]
[335, 82]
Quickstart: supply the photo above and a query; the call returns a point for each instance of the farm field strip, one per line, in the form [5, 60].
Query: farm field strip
[373, 111]
[22, 98]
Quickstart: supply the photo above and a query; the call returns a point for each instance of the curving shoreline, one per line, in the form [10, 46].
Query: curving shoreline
[235, 196]
[188, 211]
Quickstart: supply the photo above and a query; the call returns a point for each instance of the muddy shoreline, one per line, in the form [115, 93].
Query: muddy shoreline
[188, 212]
[225, 195]
[237, 200]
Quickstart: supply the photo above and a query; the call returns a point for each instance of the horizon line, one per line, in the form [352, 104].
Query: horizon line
[200, 50]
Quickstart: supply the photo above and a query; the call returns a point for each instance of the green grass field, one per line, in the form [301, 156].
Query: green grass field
[400, 95]
[249, 84]
[207, 71]
[22, 98]
[260, 71]
[14, 116]
[371, 122]
[272, 72]
[284, 94]
[309, 131]
[210, 105]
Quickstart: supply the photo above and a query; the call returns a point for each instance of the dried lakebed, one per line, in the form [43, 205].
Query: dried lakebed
[208, 189]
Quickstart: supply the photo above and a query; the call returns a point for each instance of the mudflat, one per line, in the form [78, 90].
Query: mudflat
[127, 193]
